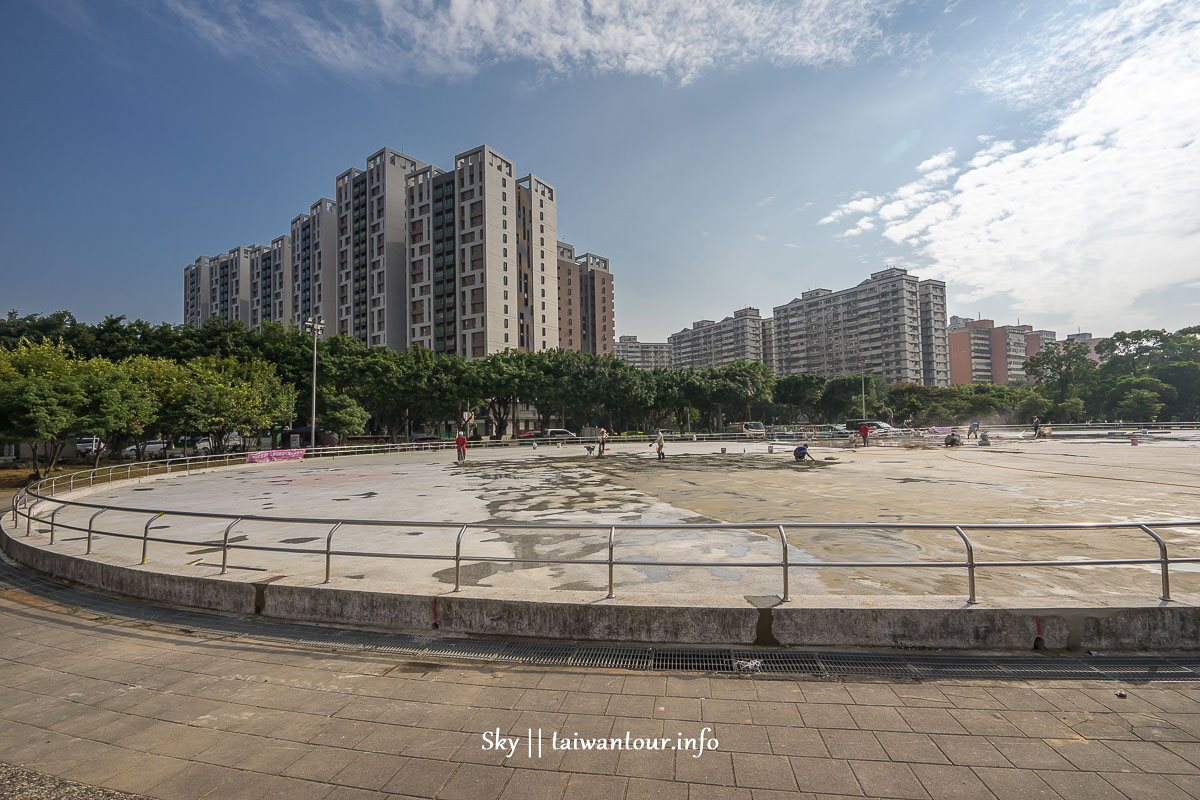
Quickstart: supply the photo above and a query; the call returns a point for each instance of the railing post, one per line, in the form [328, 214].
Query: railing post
[329, 550]
[970, 565]
[458, 554]
[1162, 552]
[146, 533]
[783, 541]
[612, 543]
[53, 514]
[88, 552]
[225, 545]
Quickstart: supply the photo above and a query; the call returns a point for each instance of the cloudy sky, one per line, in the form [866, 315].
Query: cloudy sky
[1041, 157]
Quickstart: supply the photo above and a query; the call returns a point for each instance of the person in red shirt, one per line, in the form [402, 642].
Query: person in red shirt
[460, 444]
[864, 432]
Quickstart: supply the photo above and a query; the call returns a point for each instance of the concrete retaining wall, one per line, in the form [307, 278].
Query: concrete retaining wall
[918, 622]
[141, 583]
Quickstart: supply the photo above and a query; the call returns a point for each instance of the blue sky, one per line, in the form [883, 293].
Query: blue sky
[1042, 158]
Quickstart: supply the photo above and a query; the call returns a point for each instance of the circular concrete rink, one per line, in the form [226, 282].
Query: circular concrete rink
[1012, 482]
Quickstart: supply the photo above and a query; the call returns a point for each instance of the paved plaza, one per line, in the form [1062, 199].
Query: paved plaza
[1012, 482]
[152, 710]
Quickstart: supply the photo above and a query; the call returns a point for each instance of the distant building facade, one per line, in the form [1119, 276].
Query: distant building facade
[643, 355]
[1089, 340]
[983, 352]
[586, 311]
[270, 283]
[714, 344]
[893, 324]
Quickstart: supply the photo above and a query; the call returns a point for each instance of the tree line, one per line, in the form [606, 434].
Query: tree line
[130, 381]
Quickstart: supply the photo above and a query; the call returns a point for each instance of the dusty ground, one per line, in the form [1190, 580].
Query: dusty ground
[1013, 483]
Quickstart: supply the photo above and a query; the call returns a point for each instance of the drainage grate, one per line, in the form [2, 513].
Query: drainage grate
[691, 660]
[615, 657]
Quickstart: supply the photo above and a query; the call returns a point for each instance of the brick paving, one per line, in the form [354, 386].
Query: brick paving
[147, 710]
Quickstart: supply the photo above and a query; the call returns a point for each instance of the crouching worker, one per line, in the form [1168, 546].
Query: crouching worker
[952, 439]
[801, 452]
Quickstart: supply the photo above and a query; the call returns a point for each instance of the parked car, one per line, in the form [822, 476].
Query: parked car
[559, 433]
[530, 435]
[88, 445]
[156, 446]
[233, 441]
[877, 428]
[426, 441]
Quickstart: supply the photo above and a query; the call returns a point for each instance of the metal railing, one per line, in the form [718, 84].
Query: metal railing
[26, 504]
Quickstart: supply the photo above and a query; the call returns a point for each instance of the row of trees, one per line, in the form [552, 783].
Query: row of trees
[48, 396]
[134, 382]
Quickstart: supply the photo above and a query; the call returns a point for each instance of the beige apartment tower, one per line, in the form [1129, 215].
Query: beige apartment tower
[585, 302]
[314, 254]
[481, 278]
[643, 355]
[371, 245]
[409, 255]
[270, 283]
[196, 277]
[714, 344]
[892, 324]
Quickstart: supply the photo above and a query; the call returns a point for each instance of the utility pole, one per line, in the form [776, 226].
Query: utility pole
[316, 327]
[863, 366]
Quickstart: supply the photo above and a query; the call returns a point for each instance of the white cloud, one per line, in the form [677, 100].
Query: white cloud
[1095, 212]
[862, 226]
[760, 237]
[766, 201]
[861, 204]
[674, 39]
[792, 245]
[1072, 51]
[938, 162]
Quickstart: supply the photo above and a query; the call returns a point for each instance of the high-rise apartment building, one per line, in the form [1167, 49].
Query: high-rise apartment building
[714, 344]
[892, 324]
[459, 261]
[768, 342]
[481, 278]
[314, 260]
[229, 285]
[585, 302]
[371, 249]
[643, 355]
[196, 278]
[983, 352]
[270, 283]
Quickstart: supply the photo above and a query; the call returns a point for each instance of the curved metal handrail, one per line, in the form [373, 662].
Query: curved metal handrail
[24, 503]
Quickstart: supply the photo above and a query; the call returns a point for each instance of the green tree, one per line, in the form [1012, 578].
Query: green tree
[1062, 370]
[343, 415]
[802, 391]
[42, 399]
[228, 396]
[116, 409]
[1140, 405]
[1184, 376]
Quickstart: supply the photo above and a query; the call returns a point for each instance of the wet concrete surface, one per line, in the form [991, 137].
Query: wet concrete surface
[1011, 483]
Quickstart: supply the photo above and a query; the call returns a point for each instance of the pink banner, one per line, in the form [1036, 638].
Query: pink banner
[273, 455]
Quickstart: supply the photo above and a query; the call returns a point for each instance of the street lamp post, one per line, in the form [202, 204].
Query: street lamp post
[863, 375]
[316, 327]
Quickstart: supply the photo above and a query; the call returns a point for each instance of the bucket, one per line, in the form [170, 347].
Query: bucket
[1133, 441]
[770, 448]
[722, 451]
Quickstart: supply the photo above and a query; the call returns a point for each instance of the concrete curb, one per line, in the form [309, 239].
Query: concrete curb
[911, 622]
